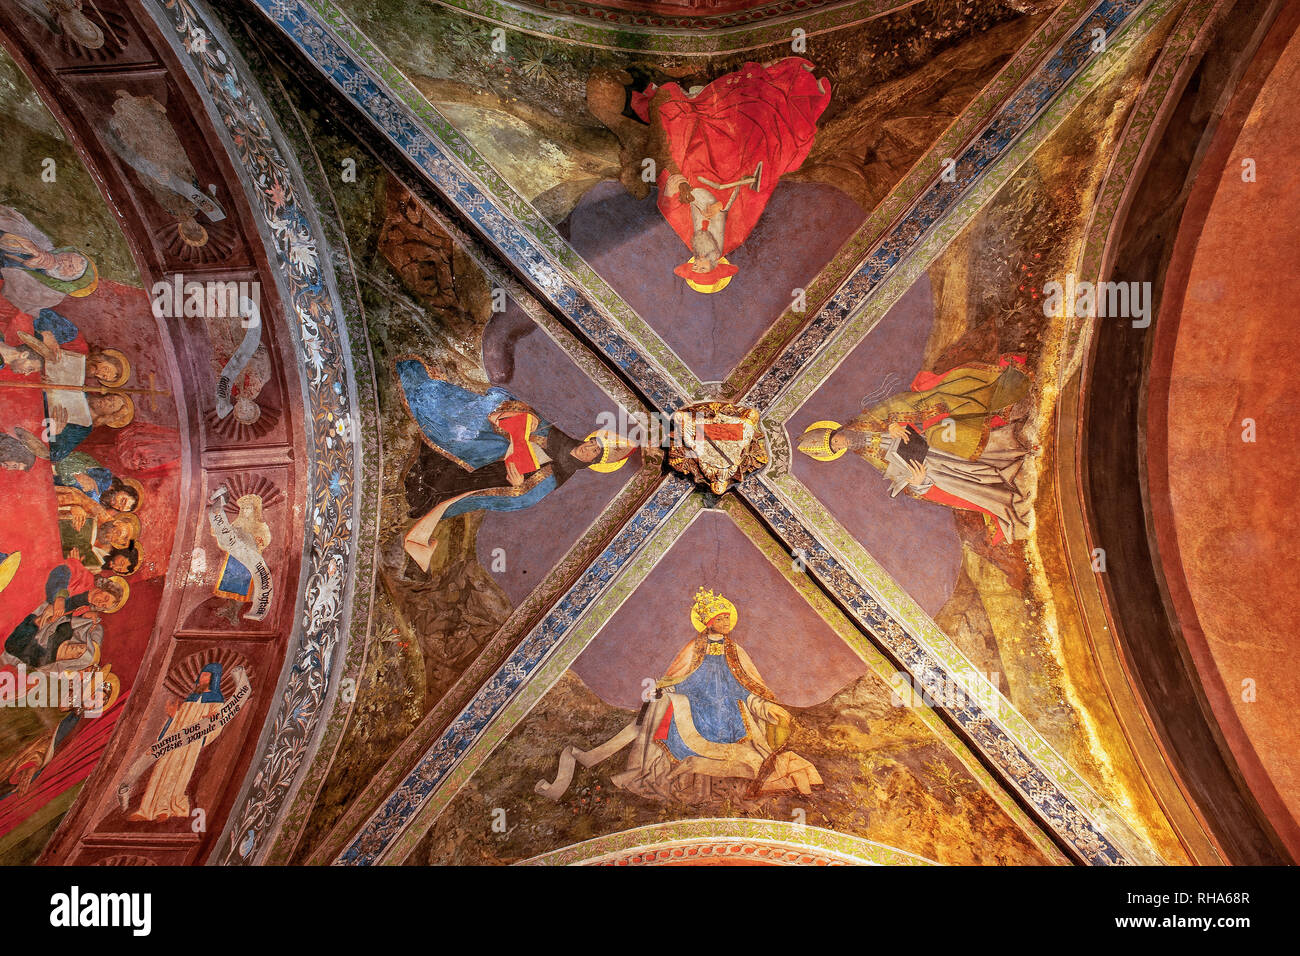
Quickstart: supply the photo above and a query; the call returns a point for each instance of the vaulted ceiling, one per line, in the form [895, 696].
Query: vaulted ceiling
[548, 491]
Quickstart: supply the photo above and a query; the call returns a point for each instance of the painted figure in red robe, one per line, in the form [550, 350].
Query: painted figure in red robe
[719, 151]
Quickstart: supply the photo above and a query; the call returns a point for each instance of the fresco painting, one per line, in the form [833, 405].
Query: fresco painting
[486, 460]
[207, 692]
[489, 433]
[489, 452]
[929, 442]
[720, 151]
[669, 715]
[707, 190]
[501, 453]
[97, 438]
[943, 440]
[725, 185]
[89, 429]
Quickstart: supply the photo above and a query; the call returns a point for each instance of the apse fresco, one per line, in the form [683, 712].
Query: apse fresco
[91, 474]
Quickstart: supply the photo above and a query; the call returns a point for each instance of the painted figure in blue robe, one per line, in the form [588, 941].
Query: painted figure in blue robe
[716, 718]
[69, 616]
[109, 410]
[235, 578]
[485, 452]
[83, 480]
[710, 719]
[29, 341]
[207, 690]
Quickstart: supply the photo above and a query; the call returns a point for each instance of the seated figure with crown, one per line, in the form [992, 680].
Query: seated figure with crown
[485, 452]
[711, 718]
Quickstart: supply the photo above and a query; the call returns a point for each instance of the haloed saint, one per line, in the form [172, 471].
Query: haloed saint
[945, 440]
[719, 150]
[485, 452]
[711, 719]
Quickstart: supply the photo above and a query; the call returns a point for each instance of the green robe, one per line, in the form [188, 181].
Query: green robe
[970, 463]
[969, 395]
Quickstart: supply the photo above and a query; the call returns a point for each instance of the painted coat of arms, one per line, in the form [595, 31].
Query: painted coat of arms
[717, 443]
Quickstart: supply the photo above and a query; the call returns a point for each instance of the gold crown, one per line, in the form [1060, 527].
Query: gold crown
[707, 606]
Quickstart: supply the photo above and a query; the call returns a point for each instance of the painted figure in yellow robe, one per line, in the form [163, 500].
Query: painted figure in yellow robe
[711, 718]
[167, 793]
[945, 441]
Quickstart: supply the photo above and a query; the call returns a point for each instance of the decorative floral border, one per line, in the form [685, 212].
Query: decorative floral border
[591, 24]
[297, 809]
[773, 841]
[547, 591]
[293, 242]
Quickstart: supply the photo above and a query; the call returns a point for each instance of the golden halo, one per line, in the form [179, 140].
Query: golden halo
[832, 455]
[93, 284]
[9, 567]
[608, 439]
[114, 685]
[118, 356]
[124, 415]
[121, 582]
[709, 286]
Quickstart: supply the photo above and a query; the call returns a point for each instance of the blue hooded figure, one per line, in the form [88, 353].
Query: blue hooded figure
[213, 694]
[488, 452]
[166, 795]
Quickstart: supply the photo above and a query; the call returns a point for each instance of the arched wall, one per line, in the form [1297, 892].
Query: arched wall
[294, 459]
[1221, 409]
